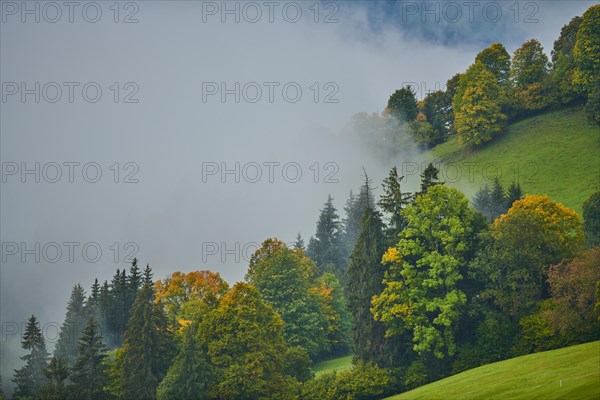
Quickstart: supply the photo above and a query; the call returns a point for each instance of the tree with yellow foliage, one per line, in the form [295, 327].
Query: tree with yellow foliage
[476, 104]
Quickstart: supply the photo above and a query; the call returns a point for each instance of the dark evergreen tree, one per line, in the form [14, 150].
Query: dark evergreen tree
[513, 194]
[355, 209]
[365, 280]
[119, 313]
[105, 308]
[497, 198]
[430, 177]
[89, 374]
[403, 104]
[148, 348]
[325, 247]
[148, 276]
[57, 374]
[299, 244]
[591, 219]
[30, 378]
[482, 202]
[392, 202]
[70, 331]
[134, 282]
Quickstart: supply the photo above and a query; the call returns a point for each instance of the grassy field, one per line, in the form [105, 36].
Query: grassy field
[335, 364]
[557, 154]
[568, 373]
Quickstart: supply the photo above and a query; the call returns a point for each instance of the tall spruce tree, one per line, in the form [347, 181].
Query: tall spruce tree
[513, 194]
[57, 374]
[118, 306]
[71, 329]
[355, 209]
[325, 247]
[392, 202]
[147, 280]
[482, 202]
[497, 198]
[89, 374]
[299, 243]
[430, 177]
[365, 277]
[31, 378]
[148, 348]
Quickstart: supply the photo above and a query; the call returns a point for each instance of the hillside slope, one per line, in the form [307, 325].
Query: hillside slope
[567, 373]
[557, 153]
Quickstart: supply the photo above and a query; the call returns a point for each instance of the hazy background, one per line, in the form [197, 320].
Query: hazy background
[170, 132]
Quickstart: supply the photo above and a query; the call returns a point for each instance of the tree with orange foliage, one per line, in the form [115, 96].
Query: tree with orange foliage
[573, 289]
[179, 288]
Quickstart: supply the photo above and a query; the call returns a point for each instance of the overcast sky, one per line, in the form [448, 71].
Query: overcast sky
[161, 129]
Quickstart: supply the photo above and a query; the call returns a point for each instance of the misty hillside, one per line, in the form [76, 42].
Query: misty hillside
[328, 200]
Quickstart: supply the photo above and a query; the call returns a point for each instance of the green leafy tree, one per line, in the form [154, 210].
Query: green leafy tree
[365, 280]
[586, 52]
[496, 60]
[534, 233]
[422, 291]
[148, 347]
[591, 219]
[334, 308]
[563, 63]
[190, 373]
[71, 329]
[477, 106]
[529, 64]
[89, 375]
[31, 378]
[402, 104]
[284, 278]
[244, 341]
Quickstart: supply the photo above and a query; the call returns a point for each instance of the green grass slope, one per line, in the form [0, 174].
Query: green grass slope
[335, 364]
[557, 154]
[567, 373]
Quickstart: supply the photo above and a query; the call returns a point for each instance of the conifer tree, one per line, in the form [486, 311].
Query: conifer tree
[118, 306]
[30, 378]
[365, 276]
[299, 243]
[148, 347]
[89, 374]
[147, 280]
[355, 209]
[70, 331]
[429, 177]
[134, 282]
[482, 202]
[325, 247]
[513, 194]
[392, 202]
[57, 374]
[497, 198]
